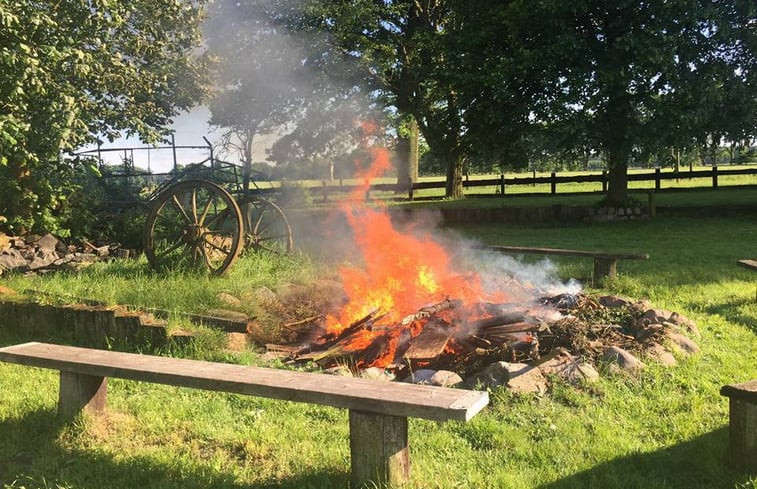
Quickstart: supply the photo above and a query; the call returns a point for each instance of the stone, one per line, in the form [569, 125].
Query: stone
[339, 370]
[42, 259]
[228, 300]
[622, 359]
[420, 376]
[261, 295]
[683, 344]
[657, 315]
[12, 259]
[659, 354]
[566, 367]
[649, 331]
[63, 260]
[30, 239]
[519, 378]
[5, 242]
[686, 323]
[376, 373]
[48, 243]
[639, 307]
[614, 301]
[446, 378]
[441, 378]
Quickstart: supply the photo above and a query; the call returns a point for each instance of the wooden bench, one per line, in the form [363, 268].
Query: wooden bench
[378, 411]
[742, 413]
[605, 264]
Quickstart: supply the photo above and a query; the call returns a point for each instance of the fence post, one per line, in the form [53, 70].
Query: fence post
[367, 191]
[657, 178]
[554, 183]
[502, 184]
[604, 181]
[325, 190]
[173, 148]
[410, 189]
[714, 176]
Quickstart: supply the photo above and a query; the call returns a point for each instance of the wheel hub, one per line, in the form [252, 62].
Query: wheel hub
[193, 233]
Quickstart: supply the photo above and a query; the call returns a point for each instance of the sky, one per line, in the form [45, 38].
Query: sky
[189, 129]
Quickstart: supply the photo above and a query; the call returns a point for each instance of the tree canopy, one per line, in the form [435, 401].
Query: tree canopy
[72, 72]
[633, 77]
[425, 60]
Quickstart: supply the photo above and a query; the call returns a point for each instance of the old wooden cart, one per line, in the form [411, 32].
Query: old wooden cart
[206, 215]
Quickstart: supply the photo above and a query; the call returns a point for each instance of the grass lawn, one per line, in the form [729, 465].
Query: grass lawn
[664, 429]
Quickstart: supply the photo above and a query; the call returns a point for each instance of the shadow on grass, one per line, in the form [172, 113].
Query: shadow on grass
[698, 463]
[733, 311]
[33, 457]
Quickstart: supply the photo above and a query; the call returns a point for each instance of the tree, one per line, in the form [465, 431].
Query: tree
[260, 81]
[424, 59]
[639, 75]
[72, 71]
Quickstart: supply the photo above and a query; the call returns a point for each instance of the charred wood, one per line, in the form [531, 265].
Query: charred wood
[429, 311]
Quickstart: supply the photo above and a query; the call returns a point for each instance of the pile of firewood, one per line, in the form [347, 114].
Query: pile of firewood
[465, 338]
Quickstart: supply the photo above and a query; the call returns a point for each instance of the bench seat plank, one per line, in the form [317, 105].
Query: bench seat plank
[751, 264]
[395, 399]
[565, 252]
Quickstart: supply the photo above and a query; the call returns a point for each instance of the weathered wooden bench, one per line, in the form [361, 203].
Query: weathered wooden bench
[378, 411]
[742, 413]
[605, 264]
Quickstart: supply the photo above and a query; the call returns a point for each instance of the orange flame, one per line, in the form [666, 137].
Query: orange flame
[402, 272]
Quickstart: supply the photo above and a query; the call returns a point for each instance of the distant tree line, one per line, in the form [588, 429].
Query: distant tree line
[454, 85]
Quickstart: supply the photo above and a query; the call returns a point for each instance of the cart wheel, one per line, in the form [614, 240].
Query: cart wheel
[268, 228]
[194, 223]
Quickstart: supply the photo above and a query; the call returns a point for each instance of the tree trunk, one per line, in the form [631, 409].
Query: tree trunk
[454, 184]
[18, 196]
[414, 149]
[617, 192]
[407, 156]
[247, 163]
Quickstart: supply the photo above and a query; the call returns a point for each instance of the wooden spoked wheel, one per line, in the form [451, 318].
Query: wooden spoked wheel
[267, 227]
[194, 224]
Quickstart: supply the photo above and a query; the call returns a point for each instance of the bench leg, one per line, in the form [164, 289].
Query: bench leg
[604, 268]
[79, 393]
[378, 449]
[743, 434]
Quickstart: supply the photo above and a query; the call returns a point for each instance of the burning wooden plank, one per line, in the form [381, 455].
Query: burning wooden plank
[429, 311]
[363, 323]
[430, 343]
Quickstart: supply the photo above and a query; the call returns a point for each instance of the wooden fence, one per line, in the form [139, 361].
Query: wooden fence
[502, 183]
[324, 191]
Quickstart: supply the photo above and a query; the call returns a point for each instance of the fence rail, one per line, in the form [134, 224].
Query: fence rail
[324, 190]
[656, 176]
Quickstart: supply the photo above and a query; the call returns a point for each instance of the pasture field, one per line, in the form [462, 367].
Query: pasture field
[667, 428]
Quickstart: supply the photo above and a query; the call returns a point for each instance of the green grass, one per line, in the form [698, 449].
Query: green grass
[133, 282]
[665, 429]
